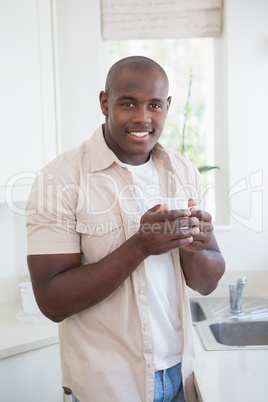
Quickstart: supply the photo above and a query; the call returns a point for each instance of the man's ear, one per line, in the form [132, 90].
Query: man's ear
[104, 103]
[168, 102]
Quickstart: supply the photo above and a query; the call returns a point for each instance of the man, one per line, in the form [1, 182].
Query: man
[110, 262]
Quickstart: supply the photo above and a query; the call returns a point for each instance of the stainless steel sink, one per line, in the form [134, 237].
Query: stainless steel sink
[197, 312]
[221, 330]
[241, 333]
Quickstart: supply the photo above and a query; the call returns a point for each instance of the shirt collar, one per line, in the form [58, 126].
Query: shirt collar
[101, 156]
[163, 155]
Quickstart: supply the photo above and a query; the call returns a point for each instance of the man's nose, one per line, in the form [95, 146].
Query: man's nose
[141, 115]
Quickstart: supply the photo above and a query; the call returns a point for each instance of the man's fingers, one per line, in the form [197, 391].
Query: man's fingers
[162, 208]
[191, 203]
[161, 213]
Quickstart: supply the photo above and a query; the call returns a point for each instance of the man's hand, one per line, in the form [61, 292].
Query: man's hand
[202, 239]
[161, 230]
[201, 260]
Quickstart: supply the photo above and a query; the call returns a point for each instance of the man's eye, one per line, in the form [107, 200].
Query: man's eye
[155, 106]
[127, 104]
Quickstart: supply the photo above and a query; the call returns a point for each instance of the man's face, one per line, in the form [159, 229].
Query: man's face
[135, 109]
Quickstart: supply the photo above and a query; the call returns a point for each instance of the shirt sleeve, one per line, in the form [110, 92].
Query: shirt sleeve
[51, 214]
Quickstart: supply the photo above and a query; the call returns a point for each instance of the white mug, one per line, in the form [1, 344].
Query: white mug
[175, 202]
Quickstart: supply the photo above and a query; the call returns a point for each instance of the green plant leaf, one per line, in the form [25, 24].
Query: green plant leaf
[206, 168]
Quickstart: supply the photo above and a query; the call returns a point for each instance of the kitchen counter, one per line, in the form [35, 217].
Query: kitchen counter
[220, 376]
[18, 337]
[230, 376]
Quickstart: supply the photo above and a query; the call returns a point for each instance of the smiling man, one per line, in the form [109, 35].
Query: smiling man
[135, 106]
[110, 262]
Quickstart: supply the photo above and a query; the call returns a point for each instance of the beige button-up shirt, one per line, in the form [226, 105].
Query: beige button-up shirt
[84, 201]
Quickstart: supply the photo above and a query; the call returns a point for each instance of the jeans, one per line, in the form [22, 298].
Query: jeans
[168, 385]
[74, 399]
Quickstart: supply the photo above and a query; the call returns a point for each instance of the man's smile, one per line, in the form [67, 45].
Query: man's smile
[139, 135]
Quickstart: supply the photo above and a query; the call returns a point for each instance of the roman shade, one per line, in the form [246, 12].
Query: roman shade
[156, 19]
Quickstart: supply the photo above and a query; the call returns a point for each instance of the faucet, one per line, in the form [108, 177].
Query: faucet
[236, 293]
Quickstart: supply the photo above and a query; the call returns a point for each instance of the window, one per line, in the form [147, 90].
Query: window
[189, 128]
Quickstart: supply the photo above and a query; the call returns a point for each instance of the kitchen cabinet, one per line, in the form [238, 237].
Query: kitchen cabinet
[27, 95]
[30, 369]
[32, 376]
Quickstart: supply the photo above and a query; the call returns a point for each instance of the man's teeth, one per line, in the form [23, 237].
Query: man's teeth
[140, 134]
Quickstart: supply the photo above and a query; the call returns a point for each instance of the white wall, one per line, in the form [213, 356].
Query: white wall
[79, 69]
[246, 49]
[27, 123]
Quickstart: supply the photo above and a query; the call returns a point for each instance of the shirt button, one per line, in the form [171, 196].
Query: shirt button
[136, 220]
[98, 229]
[131, 188]
[150, 365]
[146, 327]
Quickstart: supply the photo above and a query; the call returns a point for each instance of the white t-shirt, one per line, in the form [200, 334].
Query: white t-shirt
[160, 278]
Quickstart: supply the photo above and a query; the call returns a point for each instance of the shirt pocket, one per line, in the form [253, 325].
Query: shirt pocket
[100, 235]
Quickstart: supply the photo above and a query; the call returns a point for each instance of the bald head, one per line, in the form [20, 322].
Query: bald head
[133, 63]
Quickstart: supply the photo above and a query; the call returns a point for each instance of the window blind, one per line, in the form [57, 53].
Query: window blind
[156, 19]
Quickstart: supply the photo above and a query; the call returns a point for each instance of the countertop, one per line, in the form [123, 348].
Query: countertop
[220, 376]
[230, 376]
[18, 337]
